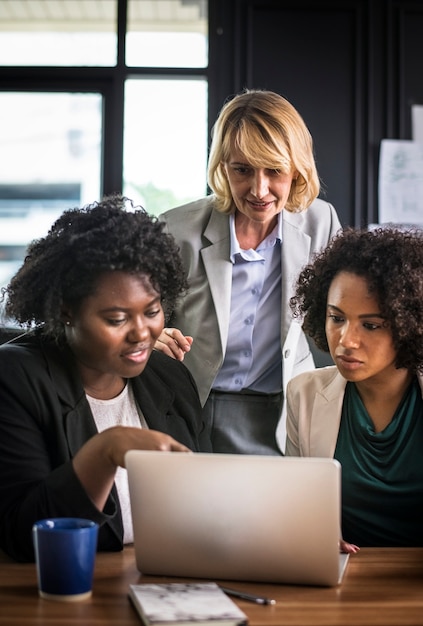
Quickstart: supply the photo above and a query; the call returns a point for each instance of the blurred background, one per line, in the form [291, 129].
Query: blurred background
[98, 96]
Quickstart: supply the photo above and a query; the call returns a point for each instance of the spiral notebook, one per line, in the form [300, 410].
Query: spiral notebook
[236, 517]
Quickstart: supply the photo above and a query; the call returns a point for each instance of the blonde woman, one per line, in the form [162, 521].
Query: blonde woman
[242, 248]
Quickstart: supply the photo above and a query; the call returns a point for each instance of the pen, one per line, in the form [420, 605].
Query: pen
[247, 596]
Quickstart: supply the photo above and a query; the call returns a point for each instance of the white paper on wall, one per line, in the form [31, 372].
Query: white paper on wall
[417, 122]
[401, 182]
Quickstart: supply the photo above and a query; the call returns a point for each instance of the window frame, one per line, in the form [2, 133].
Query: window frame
[107, 81]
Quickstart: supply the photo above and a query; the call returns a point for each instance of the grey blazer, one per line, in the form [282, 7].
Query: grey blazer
[202, 234]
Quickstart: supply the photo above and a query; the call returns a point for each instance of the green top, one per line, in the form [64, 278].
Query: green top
[382, 473]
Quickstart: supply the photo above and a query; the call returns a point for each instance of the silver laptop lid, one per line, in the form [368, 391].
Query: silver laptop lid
[239, 517]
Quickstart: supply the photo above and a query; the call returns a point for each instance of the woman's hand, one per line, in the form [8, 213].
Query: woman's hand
[96, 462]
[120, 439]
[348, 548]
[173, 343]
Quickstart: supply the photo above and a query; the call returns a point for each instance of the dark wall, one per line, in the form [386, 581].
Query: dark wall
[352, 68]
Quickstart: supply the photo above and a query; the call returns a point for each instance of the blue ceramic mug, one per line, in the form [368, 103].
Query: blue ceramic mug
[65, 549]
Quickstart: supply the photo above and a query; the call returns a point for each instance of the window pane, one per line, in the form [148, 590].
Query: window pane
[167, 33]
[58, 32]
[165, 142]
[50, 156]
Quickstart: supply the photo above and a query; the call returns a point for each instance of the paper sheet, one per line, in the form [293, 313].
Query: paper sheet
[417, 122]
[401, 182]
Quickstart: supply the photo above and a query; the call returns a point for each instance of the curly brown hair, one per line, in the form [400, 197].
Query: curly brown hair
[391, 261]
[65, 265]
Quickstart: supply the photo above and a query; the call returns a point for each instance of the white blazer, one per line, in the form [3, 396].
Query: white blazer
[314, 406]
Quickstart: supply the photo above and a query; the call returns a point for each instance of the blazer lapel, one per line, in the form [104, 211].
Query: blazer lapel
[153, 398]
[218, 269]
[326, 417]
[78, 420]
[295, 254]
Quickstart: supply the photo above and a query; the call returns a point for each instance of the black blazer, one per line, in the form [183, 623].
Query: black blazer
[45, 419]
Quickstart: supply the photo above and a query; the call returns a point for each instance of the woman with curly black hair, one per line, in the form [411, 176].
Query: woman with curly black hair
[362, 301]
[83, 385]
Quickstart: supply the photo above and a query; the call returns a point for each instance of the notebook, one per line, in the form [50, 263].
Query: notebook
[185, 604]
[236, 517]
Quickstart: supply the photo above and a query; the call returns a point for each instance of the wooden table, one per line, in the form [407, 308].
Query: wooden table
[381, 587]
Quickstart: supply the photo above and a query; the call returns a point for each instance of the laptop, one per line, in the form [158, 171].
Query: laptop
[236, 517]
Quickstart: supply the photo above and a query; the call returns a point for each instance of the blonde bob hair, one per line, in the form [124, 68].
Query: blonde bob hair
[270, 133]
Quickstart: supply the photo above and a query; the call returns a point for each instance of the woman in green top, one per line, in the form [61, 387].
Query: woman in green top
[362, 301]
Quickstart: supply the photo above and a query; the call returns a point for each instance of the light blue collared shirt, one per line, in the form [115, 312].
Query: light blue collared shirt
[253, 358]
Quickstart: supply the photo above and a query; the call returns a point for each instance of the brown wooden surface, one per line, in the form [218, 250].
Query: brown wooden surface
[381, 587]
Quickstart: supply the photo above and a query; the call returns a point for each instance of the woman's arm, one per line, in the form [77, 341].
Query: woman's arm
[97, 461]
[40, 432]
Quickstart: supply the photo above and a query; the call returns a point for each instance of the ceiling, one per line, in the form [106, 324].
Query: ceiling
[83, 15]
